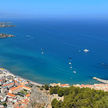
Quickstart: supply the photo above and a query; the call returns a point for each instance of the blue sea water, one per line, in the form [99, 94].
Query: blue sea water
[60, 41]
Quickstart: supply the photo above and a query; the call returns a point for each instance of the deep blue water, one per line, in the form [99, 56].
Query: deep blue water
[60, 41]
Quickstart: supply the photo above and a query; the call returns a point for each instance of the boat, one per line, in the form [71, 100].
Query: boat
[70, 67]
[74, 72]
[70, 63]
[42, 51]
[86, 50]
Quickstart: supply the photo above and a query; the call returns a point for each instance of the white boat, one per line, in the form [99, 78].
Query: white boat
[74, 72]
[86, 50]
[70, 63]
[71, 67]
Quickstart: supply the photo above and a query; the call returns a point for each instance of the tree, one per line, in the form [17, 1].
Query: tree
[46, 87]
[60, 92]
[53, 90]
[79, 98]
[54, 103]
[102, 103]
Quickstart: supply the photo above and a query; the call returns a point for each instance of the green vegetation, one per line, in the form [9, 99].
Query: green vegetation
[79, 98]
[24, 92]
[46, 87]
[3, 103]
[53, 90]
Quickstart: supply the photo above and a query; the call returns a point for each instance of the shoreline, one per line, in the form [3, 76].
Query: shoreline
[39, 84]
[9, 73]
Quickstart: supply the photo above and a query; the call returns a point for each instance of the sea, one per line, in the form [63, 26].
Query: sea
[56, 51]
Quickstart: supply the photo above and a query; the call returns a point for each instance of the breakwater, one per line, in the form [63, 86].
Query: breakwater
[101, 80]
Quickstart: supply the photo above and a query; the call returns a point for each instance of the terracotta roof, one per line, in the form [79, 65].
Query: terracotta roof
[15, 88]
[28, 88]
[20, 86]
[8, 84]
[1, 80]
[10, 94]
[63, 85]
[28, 95]
[23, 83]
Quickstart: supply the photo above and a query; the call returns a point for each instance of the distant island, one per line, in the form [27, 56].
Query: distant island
[5, 35]
[6, 24]
[3, 25]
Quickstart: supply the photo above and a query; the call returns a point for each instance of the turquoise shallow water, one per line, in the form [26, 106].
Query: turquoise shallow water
[60, 40]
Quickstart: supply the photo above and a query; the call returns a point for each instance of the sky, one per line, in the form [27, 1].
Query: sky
[54, 8]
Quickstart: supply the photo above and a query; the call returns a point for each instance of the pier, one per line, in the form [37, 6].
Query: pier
[101, 80]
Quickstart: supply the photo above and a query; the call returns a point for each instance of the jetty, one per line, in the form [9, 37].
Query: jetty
[101, 80]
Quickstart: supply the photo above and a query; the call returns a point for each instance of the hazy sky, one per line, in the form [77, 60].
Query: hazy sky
[54, 8]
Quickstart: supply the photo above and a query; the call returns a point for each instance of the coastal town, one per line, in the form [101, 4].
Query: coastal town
[16, 92]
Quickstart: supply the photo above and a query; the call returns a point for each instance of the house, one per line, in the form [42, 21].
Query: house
[18, 89]
[55, 84]
[64, 85]
[8, 85]
[10, 95]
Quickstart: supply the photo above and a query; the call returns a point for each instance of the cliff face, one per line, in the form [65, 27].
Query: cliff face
[38, 99]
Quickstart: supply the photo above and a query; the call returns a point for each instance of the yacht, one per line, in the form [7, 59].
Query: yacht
[86, 50]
